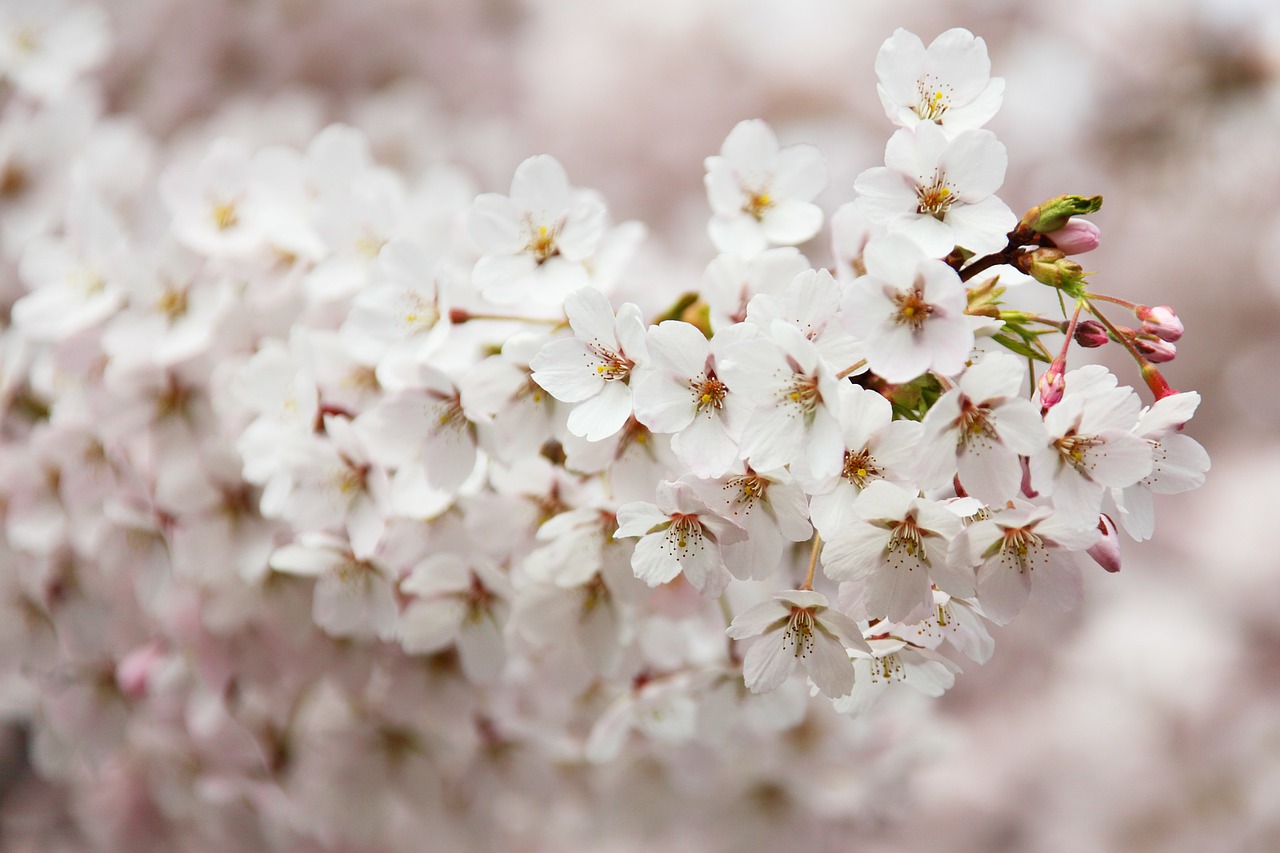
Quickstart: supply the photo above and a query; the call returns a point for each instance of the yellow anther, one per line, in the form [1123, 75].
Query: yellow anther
[224, 216]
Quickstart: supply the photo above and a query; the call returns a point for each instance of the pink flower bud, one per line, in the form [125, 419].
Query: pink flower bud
[1160, 321]
[1052, 384]
[1091, 333]
[1153, 349]
[1076, 237]
[1106, 552]
[134, 672]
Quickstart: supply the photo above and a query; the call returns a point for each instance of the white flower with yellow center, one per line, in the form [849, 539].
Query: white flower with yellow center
[949, 83]
[762, 195]
[798, 628]
[1091, 445]
[535, 242]
[681, 534]
[909, 310]
[684, 393]
[940, 192]
[593, 368]
[978, 429]
[897, 548]
[1021, 550]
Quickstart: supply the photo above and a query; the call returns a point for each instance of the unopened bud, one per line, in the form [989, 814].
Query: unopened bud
[1052, 267]
[1091, 334]
[1051, 385]
[1076, 237]
[1160, 321]
[1106, 551]
[1053, 214]
[1153, 349]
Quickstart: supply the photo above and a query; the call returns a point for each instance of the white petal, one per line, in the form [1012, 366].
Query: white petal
[602, 415]
[829, 665]
[768, 662]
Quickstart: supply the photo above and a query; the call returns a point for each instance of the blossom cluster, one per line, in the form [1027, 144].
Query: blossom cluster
[298, 450]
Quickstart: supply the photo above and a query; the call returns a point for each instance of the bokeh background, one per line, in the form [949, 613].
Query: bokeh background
[1148, 718]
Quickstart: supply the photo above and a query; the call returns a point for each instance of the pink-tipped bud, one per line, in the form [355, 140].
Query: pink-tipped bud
[1106, 551]
[1160, 321]
[1051, 385]
[1153, 349]
[1091, 333]
[1076, 237]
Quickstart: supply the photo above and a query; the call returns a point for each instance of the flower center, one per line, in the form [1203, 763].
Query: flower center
[172, 303]
[799, 631]
[225, 216]
[974, 423]
[913, 311]
[449, 416]
[757, 203]
[1019, 543]
[804, 393]
[542, 243]
[931, 101]
[935, 198]
[887, 668]
[420, 315]
[708, 393]
[859, 468]
[907, 536]
[685, 532]
[1073, 448]
[750, 489]
[613, 365]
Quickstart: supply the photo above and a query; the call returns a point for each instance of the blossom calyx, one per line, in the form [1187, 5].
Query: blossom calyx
[1053, 214]
[1052, 267]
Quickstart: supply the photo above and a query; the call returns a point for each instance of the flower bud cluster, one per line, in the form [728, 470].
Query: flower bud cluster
[312, 470]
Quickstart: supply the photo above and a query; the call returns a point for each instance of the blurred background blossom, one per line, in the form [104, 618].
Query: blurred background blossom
[1146, 719]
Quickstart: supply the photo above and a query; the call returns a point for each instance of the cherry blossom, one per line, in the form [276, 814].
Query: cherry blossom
[682, 393]
[535, 241]
[679, 535]
[762, 195]
[353, 597]
[794, 397]
[798, 628]
[898, 549]
[875, 447]
[1179, 463]
[894, 661]
[1091, 445]
[457, 601]
[948, 83]
[1021, 549]
[593, 368]
[940, 192]
[979, 428]
[910, 311]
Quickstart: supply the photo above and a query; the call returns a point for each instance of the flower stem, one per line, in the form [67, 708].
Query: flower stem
[1007, 255]
[813, 561]
[851, 368]
[1117, 334]
[1124, 302]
